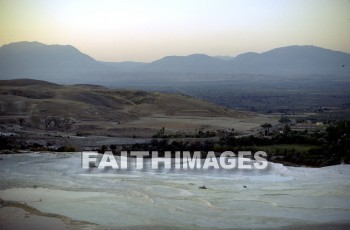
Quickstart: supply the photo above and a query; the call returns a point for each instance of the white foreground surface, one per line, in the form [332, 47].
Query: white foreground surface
[272, 198]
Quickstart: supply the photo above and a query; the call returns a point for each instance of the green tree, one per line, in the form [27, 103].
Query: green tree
[284, 120]
[266, 127]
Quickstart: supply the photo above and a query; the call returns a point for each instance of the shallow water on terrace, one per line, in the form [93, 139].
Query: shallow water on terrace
[273, 197]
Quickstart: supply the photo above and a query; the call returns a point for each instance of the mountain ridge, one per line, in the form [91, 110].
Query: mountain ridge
[48, 62]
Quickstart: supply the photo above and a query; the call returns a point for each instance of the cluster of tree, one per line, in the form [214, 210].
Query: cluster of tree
[15, 144]
[328, 148]
[316, 156]
[331, 147]
[165, 145]
[198, 134]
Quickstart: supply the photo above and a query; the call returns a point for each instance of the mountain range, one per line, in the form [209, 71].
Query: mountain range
[49, 62]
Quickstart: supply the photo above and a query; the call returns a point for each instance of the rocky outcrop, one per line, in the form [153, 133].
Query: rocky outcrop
[50, 123]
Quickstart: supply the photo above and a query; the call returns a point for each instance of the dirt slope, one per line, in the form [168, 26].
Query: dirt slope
[30, 104]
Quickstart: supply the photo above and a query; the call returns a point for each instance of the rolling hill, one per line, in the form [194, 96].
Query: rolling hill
[37, 105]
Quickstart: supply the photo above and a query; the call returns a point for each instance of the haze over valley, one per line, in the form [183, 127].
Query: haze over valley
[186, 114]
[263, 82]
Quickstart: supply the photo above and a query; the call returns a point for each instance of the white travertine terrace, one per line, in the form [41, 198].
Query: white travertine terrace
[278, 196]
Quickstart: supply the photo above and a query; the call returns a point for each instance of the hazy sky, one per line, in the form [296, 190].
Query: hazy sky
[146, 30]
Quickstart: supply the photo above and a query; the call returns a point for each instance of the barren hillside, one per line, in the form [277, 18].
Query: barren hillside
[43, 106]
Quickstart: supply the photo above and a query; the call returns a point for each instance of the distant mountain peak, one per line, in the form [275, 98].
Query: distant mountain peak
[248, 54]
[34, 59]
[30, 45]
[191, 56]
[24, 43]
[49, 62]
[199, 55]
